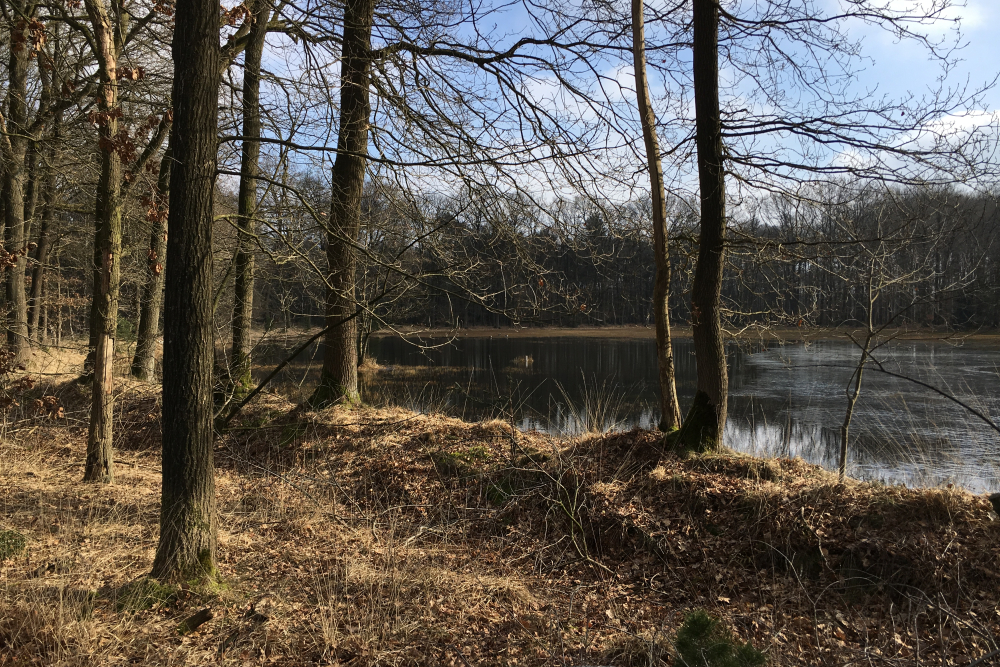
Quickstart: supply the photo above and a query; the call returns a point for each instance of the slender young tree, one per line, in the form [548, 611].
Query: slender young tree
[107, 241]
[670, 411]
[144, 361]
[339, 378]
[703, 426]
[45, 235]
[188, 521]
[240, 362]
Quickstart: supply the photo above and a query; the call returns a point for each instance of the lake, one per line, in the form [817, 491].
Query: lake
[786, 399]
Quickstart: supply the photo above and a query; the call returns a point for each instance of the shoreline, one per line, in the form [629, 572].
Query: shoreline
[638, 332]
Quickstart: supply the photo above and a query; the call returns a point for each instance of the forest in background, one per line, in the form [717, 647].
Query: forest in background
[470, 246]
[189, 175]
[509, 261]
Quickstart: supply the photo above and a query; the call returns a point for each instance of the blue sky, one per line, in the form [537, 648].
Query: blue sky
[901, 66]
[888, 67]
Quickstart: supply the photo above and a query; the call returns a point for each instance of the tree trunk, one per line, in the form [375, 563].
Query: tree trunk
[188, 521]
[339, 378]
[853, 392]
[670, 411]
[32, 172]
[108, 243]
[144, 361]
[240, 362]
[705, 422]
[44, 180]
[15, 149]
[44, 237]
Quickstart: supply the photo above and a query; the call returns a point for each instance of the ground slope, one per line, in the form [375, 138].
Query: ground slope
[365, 537]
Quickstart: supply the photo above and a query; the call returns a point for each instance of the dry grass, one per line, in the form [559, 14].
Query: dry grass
[383, 537]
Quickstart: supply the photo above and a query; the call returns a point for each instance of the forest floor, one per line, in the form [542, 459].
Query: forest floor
[361, 536]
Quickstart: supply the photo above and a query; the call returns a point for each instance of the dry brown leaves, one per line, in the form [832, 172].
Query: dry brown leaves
[383, 537]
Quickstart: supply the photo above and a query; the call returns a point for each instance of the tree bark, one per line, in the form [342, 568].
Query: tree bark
[240, 362]
[108, 242]
[44, 236]
[32, 174]
[670, 411]
[144, 361]
[15, 149]
[339, 377]
[188, 520]
[705, 422]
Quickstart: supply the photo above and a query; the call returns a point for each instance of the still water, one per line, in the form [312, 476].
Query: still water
[785, 399]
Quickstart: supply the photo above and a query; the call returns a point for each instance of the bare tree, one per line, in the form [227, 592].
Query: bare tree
[703, 427]
[188, 521]
[107, 38]
[240, 362]
[339, 379]
[144, 361]
[670, 411]
[24, 32]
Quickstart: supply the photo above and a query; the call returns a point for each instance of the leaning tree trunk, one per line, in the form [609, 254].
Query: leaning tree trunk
[108, 243]
[670, 411]
[240, 363]
[144, 361]
[188, 521]
[15, 149]
[704, 424]
[339, 378]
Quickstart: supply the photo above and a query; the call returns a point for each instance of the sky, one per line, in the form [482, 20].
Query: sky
[901, 66]
[889, 67]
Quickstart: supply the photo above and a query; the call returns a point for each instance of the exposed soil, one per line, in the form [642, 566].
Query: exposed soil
[383, 537]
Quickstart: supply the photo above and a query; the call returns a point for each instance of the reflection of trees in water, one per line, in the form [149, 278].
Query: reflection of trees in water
[786, 400]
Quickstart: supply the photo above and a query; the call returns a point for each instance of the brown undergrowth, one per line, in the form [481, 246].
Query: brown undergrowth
[383, 537]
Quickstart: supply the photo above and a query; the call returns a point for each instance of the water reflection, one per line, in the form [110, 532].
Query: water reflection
[785, 399]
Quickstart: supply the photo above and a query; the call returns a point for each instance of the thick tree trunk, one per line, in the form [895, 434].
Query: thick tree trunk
[339, 378]
[15, 150]
[188, 521]
[144, 361]
[108, 243]
[705, 422]
[670, 411]
[240, 362]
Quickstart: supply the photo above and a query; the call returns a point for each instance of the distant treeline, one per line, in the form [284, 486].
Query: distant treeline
[827, 257]
[916, 257]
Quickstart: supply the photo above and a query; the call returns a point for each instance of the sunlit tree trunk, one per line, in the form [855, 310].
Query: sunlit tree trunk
[15, 147]
[108, 241]
[240, 362]
[339, 378]
[188, 521]
[670, 411]
[704, 424]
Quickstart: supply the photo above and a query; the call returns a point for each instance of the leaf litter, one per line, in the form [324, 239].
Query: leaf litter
[362, 536]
